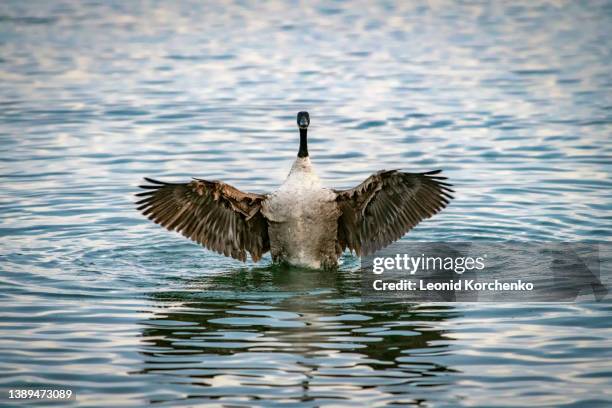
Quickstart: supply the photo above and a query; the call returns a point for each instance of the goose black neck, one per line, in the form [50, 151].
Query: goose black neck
[303, 143]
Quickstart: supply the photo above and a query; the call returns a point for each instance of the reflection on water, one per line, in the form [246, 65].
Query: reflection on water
[286, 335]
[292, 335]
[511, 99]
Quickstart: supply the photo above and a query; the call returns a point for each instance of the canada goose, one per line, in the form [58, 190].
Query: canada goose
[301, 223]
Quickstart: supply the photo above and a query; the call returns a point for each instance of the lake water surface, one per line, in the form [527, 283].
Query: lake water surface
[512, 99]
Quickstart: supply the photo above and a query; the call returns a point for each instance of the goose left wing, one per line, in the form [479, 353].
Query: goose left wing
[214, 214]
[386, 205]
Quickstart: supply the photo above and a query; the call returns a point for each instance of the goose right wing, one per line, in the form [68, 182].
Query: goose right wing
[216, 215]
[386, 205]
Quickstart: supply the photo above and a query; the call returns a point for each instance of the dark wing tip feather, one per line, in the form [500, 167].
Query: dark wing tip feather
[151, 188]
[145, 193]
[153, 181]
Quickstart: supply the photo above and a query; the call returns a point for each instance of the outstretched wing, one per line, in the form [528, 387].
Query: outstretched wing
[212, 213]
[386, 205]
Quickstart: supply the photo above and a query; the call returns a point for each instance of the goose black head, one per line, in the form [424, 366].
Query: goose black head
[303, 120]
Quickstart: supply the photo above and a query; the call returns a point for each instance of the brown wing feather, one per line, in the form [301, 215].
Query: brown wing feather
[216, 215]
[386, 205]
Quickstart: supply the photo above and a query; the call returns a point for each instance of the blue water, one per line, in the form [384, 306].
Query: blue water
[512, 99]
